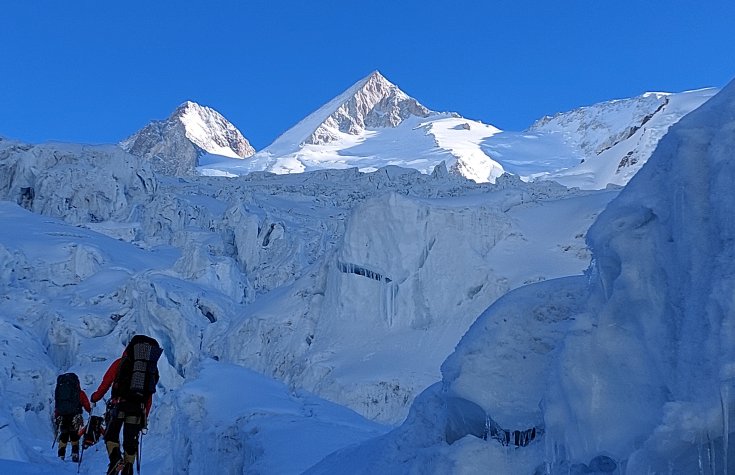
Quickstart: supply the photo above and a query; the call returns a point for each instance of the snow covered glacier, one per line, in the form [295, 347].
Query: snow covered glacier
[628, 369]
[356, 287]
[340, 283]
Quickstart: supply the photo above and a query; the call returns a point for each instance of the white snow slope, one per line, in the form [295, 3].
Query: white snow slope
[627, 370]
[591, 147]
[187, 139]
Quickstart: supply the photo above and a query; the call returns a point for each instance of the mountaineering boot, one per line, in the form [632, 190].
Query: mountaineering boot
[62, 451]
[129, 461]
[75, 452]
[114, 467]
[116, 461]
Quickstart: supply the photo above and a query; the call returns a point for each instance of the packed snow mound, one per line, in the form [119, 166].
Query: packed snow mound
[594, 146]
[245, 422]
[175, 145]
[626, 370]
[494, 382]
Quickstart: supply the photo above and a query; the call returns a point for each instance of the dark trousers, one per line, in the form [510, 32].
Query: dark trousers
[69, 432]
[131, 419]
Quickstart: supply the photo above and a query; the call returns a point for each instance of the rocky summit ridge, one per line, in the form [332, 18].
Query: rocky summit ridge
[372, 102]
[174, 145]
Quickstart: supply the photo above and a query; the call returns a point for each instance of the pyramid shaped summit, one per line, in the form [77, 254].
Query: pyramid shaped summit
[211, 132]
[374, 124]
[372, 102]
[175, 145]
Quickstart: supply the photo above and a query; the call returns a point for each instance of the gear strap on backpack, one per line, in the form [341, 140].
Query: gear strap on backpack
[138, 374]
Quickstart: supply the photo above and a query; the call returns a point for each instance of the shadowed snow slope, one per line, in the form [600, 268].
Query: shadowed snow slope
[627, 370]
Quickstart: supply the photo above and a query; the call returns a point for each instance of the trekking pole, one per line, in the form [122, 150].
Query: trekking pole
[106, 416]
[81, 456]
[140, 451]
[84, 437]
[56, 435]
[141, 432]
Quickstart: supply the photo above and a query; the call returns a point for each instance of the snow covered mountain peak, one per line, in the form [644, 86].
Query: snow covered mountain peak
[175, 145]
[371, 125]
[372, 102]
[375, 124]
[208, 129]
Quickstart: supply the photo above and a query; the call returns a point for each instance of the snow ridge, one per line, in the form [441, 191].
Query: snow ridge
[617, 137]
[598, 127]
[175, 145]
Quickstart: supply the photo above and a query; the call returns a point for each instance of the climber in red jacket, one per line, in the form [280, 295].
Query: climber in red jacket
[133, 378]
[69, 400]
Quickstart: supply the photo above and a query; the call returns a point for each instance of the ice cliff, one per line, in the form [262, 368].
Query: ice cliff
[628, 369]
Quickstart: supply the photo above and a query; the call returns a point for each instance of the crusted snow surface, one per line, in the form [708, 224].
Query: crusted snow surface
[625, 370]
[175, 145]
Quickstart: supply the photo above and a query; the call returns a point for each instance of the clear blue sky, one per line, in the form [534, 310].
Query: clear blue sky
[96, 71]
